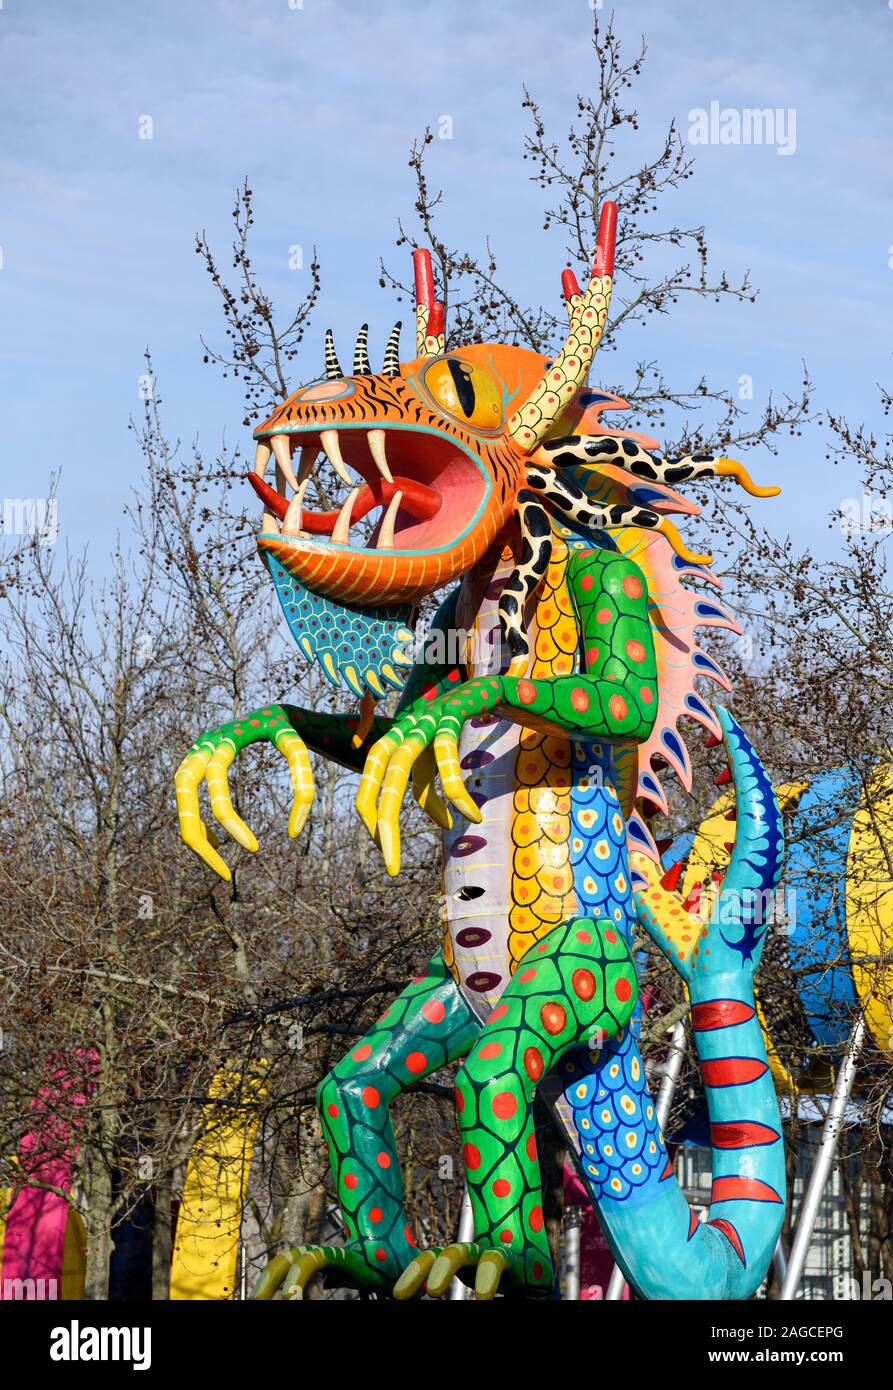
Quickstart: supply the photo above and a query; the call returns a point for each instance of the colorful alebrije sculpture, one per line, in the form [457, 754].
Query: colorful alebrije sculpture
[547, 693]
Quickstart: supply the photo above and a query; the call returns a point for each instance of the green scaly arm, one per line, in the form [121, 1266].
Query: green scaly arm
[613, 697]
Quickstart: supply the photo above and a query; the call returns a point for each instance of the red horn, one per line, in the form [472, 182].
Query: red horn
[607, 237]
[424, 277]
[569, 284]
[424, 292]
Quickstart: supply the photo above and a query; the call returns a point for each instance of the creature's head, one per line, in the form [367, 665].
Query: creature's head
[458, 451]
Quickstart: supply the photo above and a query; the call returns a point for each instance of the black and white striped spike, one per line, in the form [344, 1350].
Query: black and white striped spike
[391, 366]
[361, 365]
[333, 366]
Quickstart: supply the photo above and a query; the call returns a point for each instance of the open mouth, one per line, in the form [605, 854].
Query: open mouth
[399, 489]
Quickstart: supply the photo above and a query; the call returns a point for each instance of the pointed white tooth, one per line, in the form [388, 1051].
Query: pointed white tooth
[376, 445]
[262, 458]
[269, 523]
[341, 529]
[291, 522]
[386, 532]
[306, 462]
[283, 458]
[329, 441]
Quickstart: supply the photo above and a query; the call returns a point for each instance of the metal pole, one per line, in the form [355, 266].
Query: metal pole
[672, 1070]
[458, 1291]
[572, 1224]
[780, 1261]
[818, 1178]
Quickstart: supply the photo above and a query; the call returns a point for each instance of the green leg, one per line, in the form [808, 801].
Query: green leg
[578, 983]
[428, 1025]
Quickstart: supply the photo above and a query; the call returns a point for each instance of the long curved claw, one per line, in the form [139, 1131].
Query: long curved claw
[210, 761]
[272, 1277]
[491, 1267]
[446, 751]
[425, 793]
[210, 836]
[302, 1270]
[414, 1275]
[294, 750]
[390, 763]
[393, 790]
[222, 806]
[374, 769]
[447, 1266]
[193, 830]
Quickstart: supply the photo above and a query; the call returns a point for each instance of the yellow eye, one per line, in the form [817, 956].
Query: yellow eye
[465, 391]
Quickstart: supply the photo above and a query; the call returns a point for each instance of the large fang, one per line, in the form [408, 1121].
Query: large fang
[341, 529]
[386, 531]
[262, 456]
[291, 522]
[329, 441]
[283, 458]
[376, 445]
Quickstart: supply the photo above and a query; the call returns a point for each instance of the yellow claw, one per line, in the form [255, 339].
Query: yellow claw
[376, 766]
[414, 1276]
[294, 750]
[731, 468]
[424, 770]
[221, 801]
[491, 1267]
[303, 1268]
[448, 1264]
[271, 1278]
[446, 751]
[206, 852]
[193, 831]
[392, 793]
[210, 836]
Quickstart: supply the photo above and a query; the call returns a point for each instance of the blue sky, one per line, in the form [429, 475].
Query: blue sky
[318, 105]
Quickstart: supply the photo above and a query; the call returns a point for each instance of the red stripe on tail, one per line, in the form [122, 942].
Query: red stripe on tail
[742, 1190]
[720, 1013]
[732, 1071]
[740, 1134]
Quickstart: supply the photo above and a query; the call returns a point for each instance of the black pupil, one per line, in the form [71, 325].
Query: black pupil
[462, 382]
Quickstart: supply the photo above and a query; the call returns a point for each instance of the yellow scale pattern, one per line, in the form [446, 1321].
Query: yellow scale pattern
[542, 884]
[530, 424]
